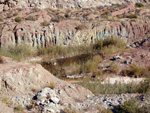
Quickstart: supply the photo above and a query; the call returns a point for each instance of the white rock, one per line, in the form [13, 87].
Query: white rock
[38, 103]
[117, 57]
[51, 110]
[55, 99]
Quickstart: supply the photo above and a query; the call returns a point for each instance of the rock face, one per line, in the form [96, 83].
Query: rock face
[19, 82]
[10, 4]
[52, 27]
[43, 37]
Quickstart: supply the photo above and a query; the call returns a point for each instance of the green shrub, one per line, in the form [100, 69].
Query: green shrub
[132, 16]
[52, 85]
[18, 19]
[88, 67]
[105, 13]
[80, 27]
[91, 66]
[19, 9]
[97, 58]
[35, 9]
[144, 87]
[55, 19]
[109, 41]
[65, 51]
[139, 5]
[15, 14]
[73, 68]
[135, 71]
[5, 100]
[45, 23]
[130, 106]
[113, 68]
[19, 108]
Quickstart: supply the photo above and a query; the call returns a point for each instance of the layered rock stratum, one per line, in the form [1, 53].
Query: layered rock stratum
[41, 28]
[10, 4]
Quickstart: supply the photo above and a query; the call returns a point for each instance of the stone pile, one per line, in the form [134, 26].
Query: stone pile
[48, 98]
[104, 101]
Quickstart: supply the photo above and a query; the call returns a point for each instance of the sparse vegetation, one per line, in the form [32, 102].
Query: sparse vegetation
[55, 19]
[105, 13]
[32, 105]
[15, 14]
[99, 88]
[71, 50]
[135, 71]
[5, 100]
[18, 52]
[69, 109]
[144, 87]
[1, 59]
[130, 106]
[18, 19]
[31, 18]
[109, 45]
[90, 69]
[52, 85]
[109, 41]
[80, 27]
[113, 68]
[132, 16]
[45, 23]
[33, 89]
[90, 66]
[103, 110]
[18, 108]
[35, 9]
[139, 5]
[1, 28]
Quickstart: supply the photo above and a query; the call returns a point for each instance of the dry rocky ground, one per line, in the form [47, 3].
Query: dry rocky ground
[28, 87]
[21, 81]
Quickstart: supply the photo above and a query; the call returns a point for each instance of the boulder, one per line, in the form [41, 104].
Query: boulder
[117, 57]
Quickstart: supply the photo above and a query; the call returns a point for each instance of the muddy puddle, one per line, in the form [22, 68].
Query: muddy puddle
[58, 66]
